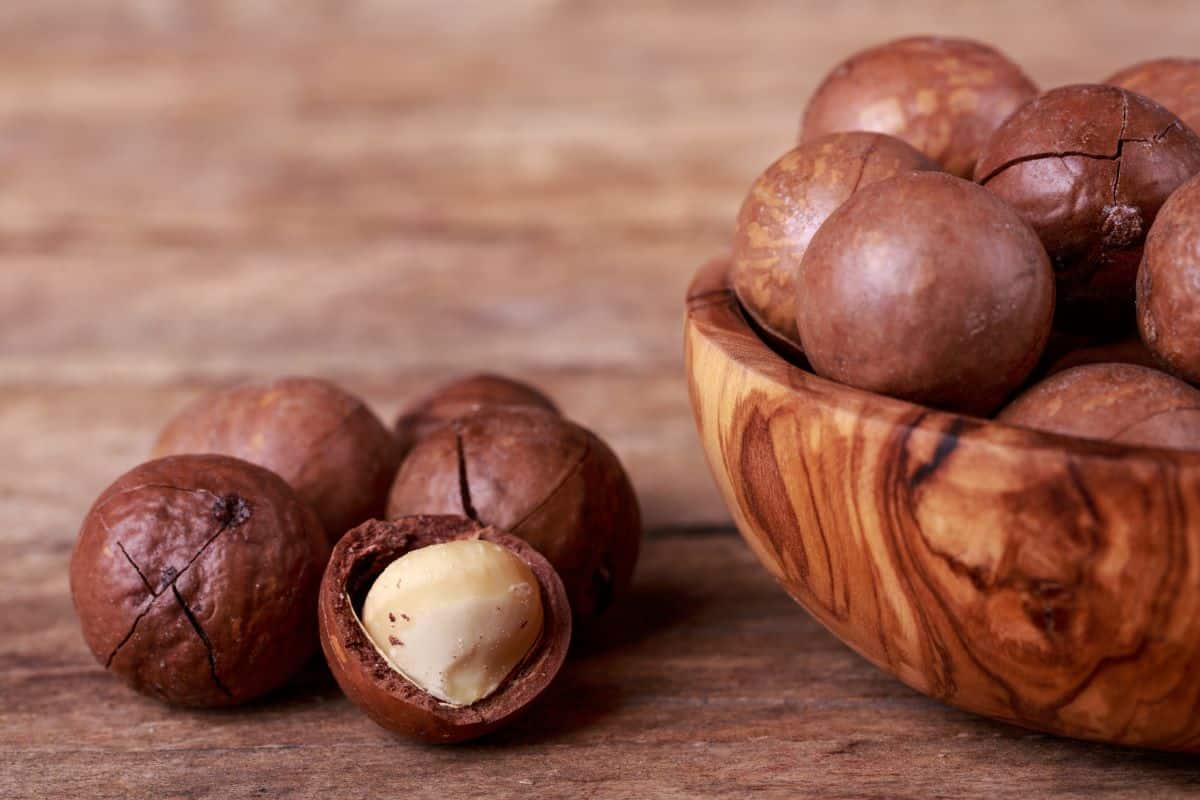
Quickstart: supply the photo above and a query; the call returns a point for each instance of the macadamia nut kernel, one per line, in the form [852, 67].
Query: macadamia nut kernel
[455, 618]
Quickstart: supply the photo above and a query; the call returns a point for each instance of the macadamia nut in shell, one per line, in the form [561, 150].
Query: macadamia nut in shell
[195, 580]
[455, 618]
[928, 288]
[1173, 83]
[1168, 284]
[500, 666]
[789, 202]
[1112, 402]
[942, 96]
[545, 479]
[326, 443]
[1089, 167]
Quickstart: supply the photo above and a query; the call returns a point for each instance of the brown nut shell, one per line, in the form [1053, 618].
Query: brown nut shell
[325, 442]
[386, 696]
[462, 396]
[1088, 167]
[541, 477]
[942, 96]
[789, 202]
[1173, 83]
[1168, 284]
[1114, 402]
[195, 580]
[928, 288]
[1126, 351]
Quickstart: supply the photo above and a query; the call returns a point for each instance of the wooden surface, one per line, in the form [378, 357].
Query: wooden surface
[1036, 579]
[385, 193]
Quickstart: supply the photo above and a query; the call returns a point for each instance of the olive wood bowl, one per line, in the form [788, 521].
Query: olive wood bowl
[1042, 580]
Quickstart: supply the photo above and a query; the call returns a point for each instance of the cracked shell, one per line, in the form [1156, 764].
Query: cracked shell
[1172, 82]
[195, 580]
[338, 456]
[928, 288]
[1113, 402]
[942, 96]
[462, 396]
[1089, 167]
[786, 205]
[547, 480]
[382, 693]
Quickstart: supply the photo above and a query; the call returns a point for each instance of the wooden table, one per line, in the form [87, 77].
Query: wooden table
[193, 193]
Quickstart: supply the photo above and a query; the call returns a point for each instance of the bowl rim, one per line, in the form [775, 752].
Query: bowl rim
[715, 313]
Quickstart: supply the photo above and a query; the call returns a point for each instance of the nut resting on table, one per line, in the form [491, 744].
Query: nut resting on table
[196, 575]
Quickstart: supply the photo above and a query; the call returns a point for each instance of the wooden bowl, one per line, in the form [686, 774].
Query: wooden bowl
[1042, 580]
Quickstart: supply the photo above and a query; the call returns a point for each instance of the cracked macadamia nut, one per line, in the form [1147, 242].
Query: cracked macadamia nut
[545, 479]
[439, 628]
[1168, 284]
[1089, 167]
[1173, 83]
[927, 288]
[462, 396]
[195, 580]
[455, 618]
[326, 443]
[787, 204]
[942, 96]
[1113, 402]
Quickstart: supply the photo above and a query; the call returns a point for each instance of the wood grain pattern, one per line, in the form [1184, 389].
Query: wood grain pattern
[389, 192]
[1041, 580]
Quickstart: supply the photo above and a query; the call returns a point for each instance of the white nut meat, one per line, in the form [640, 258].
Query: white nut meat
[455, 618]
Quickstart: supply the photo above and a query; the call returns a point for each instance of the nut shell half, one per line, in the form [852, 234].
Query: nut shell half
[195, 580]
[386, 696]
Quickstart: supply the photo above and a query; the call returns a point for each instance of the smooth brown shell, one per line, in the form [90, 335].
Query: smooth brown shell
[1168, 284]
[1114, 402]
[1088, 167]
[927, 288]
[332, 449]
[541, 477]
[195, 580]
[386, 696]
[1172, 82]
[942, 96]
[461, 396]
[786, 205]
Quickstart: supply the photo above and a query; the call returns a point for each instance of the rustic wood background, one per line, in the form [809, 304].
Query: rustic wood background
[386, 193]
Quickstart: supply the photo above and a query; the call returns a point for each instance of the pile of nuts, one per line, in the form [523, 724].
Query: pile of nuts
[442, 566]
[943, 232]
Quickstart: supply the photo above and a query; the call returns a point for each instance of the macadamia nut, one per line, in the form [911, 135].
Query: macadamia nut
[455, 618]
